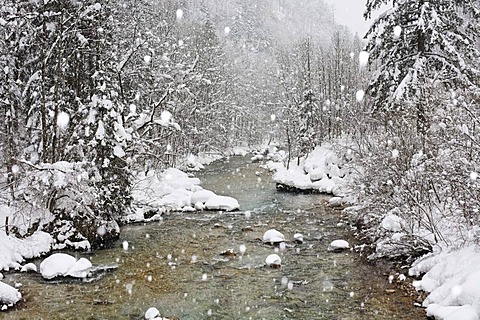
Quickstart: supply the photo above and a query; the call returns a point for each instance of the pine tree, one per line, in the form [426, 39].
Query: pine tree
[420, 47]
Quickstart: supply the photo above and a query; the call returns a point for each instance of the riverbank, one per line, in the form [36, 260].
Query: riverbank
[177, 264]
[441, 266]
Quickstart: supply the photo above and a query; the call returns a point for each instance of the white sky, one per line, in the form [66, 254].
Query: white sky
[350, 13]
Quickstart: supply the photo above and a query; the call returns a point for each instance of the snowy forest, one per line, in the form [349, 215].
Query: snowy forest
[95, 94]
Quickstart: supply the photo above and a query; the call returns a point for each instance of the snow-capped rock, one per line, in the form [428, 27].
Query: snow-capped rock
[62, 264]
[339, 245]
[335, 202]
[222, 203]
[273, 261]
[151, 313]
[201, 196]
[29, 267]
[298, 237]
[273, 236]
[8, 295]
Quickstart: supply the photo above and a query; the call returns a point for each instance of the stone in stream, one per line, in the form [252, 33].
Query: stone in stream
[273, 236]
[29, 267]
[338, 245]
[62, 264]
[298, 238]
[335, 202]
[273, 261]
[8, 296]
[152, 313]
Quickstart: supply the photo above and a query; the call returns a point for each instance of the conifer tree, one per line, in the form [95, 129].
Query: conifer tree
[420, 47]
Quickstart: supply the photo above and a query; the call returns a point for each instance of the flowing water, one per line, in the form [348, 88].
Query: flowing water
[190, 265]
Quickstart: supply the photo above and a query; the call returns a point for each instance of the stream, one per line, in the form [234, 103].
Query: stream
[190, 265]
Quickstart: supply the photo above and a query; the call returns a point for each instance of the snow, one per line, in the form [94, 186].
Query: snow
[335, 202]
[118, 151]
[397, 31]
[321, 171]
[452, 279]
[13, 251]
[62, 264]
[174, 190]
[29, 267]
[179, 14]
[273, 260]
[339, 245]
[199, 161]
[473, 176]
[8, 295]
[465, 312]
[359, 95]
[62, 120]
[152, 313]
[201, 196]
[298, 237]
[100, 133]
[392, 222]
[222, 203]
[363, 57]
[273, 236]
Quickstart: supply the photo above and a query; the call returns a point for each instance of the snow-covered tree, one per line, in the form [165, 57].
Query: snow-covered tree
[419, 47]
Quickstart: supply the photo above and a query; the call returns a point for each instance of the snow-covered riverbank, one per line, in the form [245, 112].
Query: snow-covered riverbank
[449, 274]
[154, 194]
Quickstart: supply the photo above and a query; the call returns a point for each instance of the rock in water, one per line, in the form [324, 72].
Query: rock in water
[29, 267]
[62, 264]
[8, 296]
[298, 237]
[338, 245]
[273, 236]
[80, 269]
[335, 202]
[273, 261]
[152, 313]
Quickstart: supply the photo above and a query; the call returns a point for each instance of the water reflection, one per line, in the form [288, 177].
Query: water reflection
[211, 265]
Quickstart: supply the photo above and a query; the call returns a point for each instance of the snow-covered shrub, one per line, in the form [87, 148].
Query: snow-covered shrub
[430, 183]
[69, 198]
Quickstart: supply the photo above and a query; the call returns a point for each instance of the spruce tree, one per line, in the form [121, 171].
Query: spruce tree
[420, 47]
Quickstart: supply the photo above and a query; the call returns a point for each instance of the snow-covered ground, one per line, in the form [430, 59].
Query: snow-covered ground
[14, 251]
[452, 277]
[453, 280]
[154, 194]
[173, 190]
[322, 171]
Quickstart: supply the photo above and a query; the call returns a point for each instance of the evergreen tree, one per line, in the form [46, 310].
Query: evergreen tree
[421, 46]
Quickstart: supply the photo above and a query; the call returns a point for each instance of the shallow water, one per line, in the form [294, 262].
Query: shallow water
[177, 265]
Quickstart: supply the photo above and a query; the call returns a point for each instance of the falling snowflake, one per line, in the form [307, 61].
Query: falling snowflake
[397, 31]
[359, 95]
[63, 119]
[179, 14]
[473, 175]
[394, 153]
[363, 58]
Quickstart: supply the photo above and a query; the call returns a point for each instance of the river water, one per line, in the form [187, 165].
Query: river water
[190, 266]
